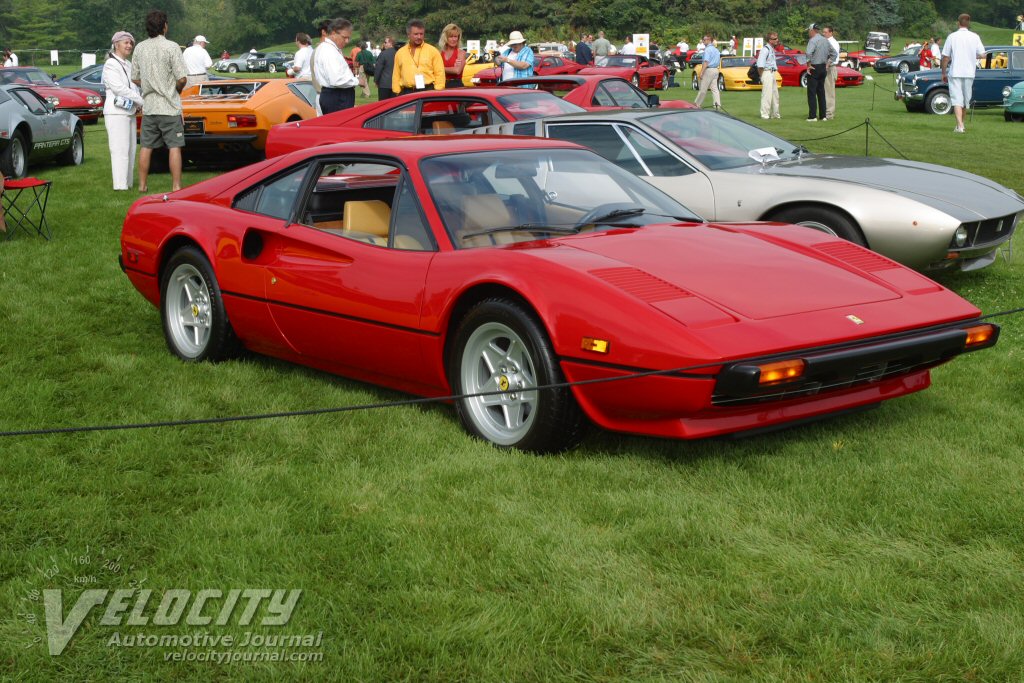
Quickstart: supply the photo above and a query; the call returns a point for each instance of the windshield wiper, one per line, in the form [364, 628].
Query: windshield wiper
[526, 227]
[616, 213]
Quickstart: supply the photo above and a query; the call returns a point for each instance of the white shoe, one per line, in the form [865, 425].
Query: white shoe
[958, 129]
[766, 117]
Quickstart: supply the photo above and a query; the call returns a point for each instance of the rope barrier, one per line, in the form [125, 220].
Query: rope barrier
[392, 404]
[870, 127]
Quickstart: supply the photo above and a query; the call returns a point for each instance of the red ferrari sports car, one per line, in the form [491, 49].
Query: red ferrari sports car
[547, 65]
[638, 70]
[431, 112]
[595, 93]
[793, 69]
[85, 104]
[497, 269]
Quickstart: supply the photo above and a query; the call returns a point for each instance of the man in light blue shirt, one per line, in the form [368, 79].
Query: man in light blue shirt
[767, 67]
[709, 74]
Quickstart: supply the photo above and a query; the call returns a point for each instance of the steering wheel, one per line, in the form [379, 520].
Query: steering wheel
[602, 210]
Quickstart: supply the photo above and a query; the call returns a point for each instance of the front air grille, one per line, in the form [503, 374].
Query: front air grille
[992, 230]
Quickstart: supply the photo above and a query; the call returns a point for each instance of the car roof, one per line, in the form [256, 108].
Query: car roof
[429, 145]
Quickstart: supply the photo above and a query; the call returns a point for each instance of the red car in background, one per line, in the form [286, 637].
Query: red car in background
[595, 93]
[87, 105]
[793, 69]
[634, 68]
[431, 112]
[547, 65]
[860, 58]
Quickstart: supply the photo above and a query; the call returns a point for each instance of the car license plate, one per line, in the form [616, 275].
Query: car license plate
[195, 126]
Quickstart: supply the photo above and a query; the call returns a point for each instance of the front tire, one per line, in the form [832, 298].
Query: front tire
[232, 68]
[823, 219]
[904, 67]
[75, 154]
[14, 159]
[500, 346]
[803, 80]
[664, 81]
[938, 102]
[272, 68]
[195, 322]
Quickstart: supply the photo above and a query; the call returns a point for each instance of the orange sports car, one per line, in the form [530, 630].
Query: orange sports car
[228, 120]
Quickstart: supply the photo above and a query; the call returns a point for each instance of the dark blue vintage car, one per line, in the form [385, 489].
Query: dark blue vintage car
[1000, 68]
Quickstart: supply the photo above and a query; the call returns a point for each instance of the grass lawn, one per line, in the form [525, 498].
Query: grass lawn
[881, 546]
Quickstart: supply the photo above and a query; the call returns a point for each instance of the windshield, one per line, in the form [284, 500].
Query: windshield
[33, 76]
[500, 197]
[533, 104]
[621, 60]
[716, 140]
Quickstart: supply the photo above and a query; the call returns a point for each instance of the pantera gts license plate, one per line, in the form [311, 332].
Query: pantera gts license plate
[195, 126]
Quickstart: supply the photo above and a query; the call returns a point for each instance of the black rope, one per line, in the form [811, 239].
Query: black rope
[387, 404]
[870, 125]
[833, 135]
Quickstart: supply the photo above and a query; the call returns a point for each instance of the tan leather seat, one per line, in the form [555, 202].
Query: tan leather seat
[483, 211]
[443, 127]
[368, 221]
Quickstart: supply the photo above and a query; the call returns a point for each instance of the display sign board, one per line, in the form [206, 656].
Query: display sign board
[473, 48]
[642, 43]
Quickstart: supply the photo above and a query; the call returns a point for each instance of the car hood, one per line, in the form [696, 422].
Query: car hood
[965, 196]
[738, 272]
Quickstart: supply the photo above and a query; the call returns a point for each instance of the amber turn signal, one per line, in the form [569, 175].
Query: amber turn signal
[781, 371]
[979, 335]
[595, 345]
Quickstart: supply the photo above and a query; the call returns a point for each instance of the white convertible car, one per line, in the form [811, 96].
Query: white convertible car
[926, 216]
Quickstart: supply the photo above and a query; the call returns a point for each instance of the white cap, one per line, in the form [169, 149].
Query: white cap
[200, 39]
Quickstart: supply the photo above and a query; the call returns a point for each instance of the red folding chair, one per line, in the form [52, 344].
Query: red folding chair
[24, 204]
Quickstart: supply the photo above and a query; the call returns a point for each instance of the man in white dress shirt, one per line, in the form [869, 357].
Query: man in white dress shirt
[337, 82]
[831, 72]
[197, 61]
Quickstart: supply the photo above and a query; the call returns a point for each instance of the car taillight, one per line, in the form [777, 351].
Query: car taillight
[241, 121]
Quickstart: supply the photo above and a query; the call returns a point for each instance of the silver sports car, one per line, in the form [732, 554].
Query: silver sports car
[925, 216]
[32, 131]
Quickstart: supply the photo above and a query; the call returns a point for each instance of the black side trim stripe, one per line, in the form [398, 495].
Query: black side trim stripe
[634, 370]
[332, 314]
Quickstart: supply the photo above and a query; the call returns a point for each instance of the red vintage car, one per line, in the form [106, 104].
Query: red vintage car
[431, 112]
[497, 269]
[860, 58]
[596, 93]
[638, 70]
[547, 65]
[793, 69]
[85, 104]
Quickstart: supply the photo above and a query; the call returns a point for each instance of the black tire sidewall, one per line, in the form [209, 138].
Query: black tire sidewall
[843, 227]
[8, 156]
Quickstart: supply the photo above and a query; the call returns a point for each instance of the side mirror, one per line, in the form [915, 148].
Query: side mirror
[653, 101]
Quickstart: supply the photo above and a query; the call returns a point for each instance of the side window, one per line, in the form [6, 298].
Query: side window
[602, 98]
[603, 139]
[623, 94]
[305, 91]
[1017, 59]
[403, 120]
[275, 198]
[411, 231]
[527, 128]
[94, 77]
[657, 159]
[31, 101]
[996, 60]
[356, 200]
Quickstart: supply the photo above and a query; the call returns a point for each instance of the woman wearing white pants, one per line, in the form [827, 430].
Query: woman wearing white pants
[119, 109]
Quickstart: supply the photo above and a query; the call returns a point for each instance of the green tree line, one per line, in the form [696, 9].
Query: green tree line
[238, 25]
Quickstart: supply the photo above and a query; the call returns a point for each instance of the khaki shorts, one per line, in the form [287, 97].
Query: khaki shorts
[162, 131]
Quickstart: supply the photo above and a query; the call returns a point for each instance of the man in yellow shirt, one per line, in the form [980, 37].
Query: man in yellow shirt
[418, 65]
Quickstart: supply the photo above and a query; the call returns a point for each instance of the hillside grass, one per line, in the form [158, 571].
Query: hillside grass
[880, 546]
